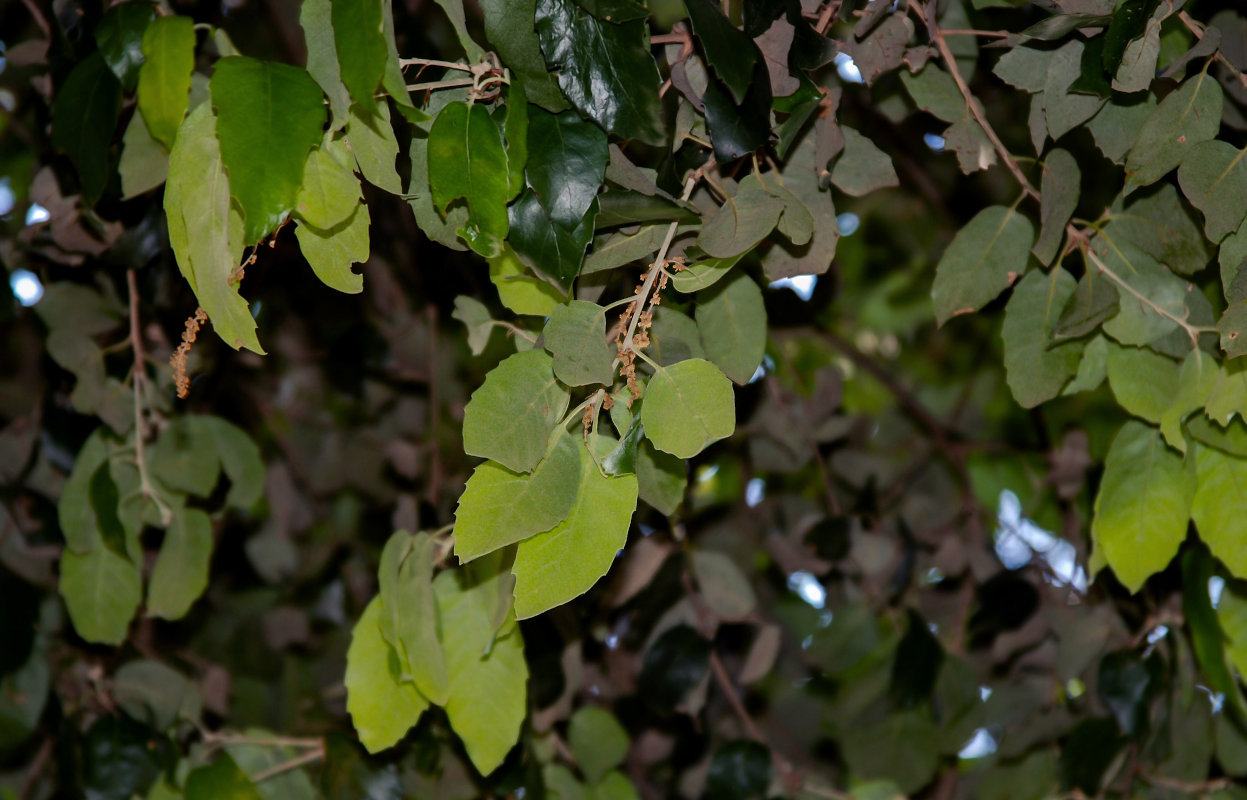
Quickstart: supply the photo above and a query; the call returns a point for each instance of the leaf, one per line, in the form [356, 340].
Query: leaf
[559, 565]
[576, 336]
[1138, 64]
[510, 417]
[383, 707]
[738, 129]
[604, 69]
[703, 274]
[220, 780]
[597, 740]
[371, 138]
[688, 406]
[625, 207]
[1228, 396]
[731, 321]
[862, 167]
[1220, 504]
[1024, 67]
[1061, 187]
[509, 28]
[330, 193]
[316, 20]
[729, 51]
[661, 478]
[155, 694]
[119, 36]
[1197, 377]
[480, 323]
[1143, 381]
[741, 769]
[934, 91]
[240, 460]
[675, 663]
[1036, 370]
[409, 613]
[331, 252]
[1115, 127]
[454, 10]
[617, 249]
[358, 37]
[742, 221]
[1189, 115]
[722, 585]
[800, 175]
[102, 591]
[1092, 302]
[144, 161]
[488, 675]
[674, 337]
[566, 161]
[548, 248]
[1232, 326]
[901, 747]
[269, 116]
[441, 228]
[1128, 22]
[1064, 110]
[499, 507]
[83, 119]
[197, 204]
[467, 161]
[1213, 176]
[181, 571]
[985, 257]
[1207, 637]
[1161, 226]
[1143, 505]
[883, 50]
[515, 135]
[165, 77]
[519, 291]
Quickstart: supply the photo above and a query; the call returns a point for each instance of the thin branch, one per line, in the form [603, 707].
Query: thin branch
[40, 19]
[37, 765]
[220, 738]
[973, 32]
[1198, 29]
[432, 62]
[140, 375]
[286, 766]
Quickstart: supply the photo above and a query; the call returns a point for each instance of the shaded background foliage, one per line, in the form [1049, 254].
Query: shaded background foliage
[880, 585]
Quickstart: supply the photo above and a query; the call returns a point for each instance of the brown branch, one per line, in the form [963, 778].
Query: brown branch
[140, 376]
[1198, 29]
[37, 14]
[37, 765]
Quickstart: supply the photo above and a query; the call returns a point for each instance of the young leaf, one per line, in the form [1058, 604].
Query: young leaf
[1035, 369]
[165, 77]
[510, 417]
[1143, 505]
[499, 507]
[181, 571]
[556, 566]
[688, 406]
[1219, 505]
[576, 337]
[383, 707]
[409, 612]
[269, 116]
[985, 258]
[102, 591]
[566, 162]
[1186, 117]
[358, 39]
[731, 322]
[83, 118]
[467, 161]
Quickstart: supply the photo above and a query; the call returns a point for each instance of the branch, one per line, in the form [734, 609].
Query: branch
[221, 738]
[140, 375]
[1198, 29]
[286, 766]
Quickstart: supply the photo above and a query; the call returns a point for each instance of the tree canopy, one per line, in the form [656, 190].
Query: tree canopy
[742, 399]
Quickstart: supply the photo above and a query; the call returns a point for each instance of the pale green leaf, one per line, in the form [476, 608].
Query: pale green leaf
[383, 707]
[576, 336]
[1143, 381]
[1228, 396]
[476, 317]
[1143, 505]
[1186, 117]
[102, 591]
[409, 612]
[371, 138]
[1197, 377]
[499, 507]
[1036, 369]
[144, 161]
[564, 562]
[165, 77]
[330, 253]
[661, 477]
[985, 257]
[731, 321]
[598, 742]
[316, 20]
[330, 192]
[703, 274]
[510, 417]
[181, 571]
[1092, 369]
[519, 290]
[688, 406]
[1220, 506]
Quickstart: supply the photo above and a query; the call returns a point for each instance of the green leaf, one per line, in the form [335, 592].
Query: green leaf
[902, 747]
[626, 207]
[1219, 505]
[661, 478]
[1213, 176]
[480, 323]
[1128, 23]
[520, 291]
[316, 20]
[801, 178]
[499, 507]
[576, 336]
[1232, 328]
[467, 161]
[1035, 369]
[83, 118]
[181, 571]
[742, 221]
[1161, 226]
[1186, 117]
[604, 69]
[1207, 638]
[184, 457]
[688, 406]
[1197, 377]
[740, 769]
[1143, 381]
[674, 337]
[331, 252]
[119, 36]
[269, 767]
[106, 500]
[1116, 126]
[409, 611]
[862, 167]
[598, 742]
[515, 133]
[269, 116]
[510, 417]
[330, 192]
[197, 204]
[731, 320]
[1137, 68]
[75, 512]
[165, 77]
[240, 460]
[220, 780]
[509, 28]
[454, 10]
[546, 247]
[738, 129]
[1228, 396]
[729, 51]
[617, 249]
[933, 90]
[371, 138]
[722, 585]
[566, 161]
[155, 694]
[144, 161]
[703, 274]
[985, 257]
[1061, 187]
[555, 567]
[358, 37]
[1064, 110]
[1143, 505]
[382, 705]
[488, 675]
[102, 591]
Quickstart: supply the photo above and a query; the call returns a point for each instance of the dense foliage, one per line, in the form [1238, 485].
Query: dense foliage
[633, 433]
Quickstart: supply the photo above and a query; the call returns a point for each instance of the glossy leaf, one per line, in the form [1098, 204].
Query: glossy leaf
[985, 257]
[547, 247]
[83, 118]
[566, 161]
[688, 406]
[729, 52]
[119, 36]
[509, 28]
[510, 417]
[165, 77]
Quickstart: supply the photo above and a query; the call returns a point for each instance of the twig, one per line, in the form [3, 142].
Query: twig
[286, 766]
[1198, 29]
[221, 738]
[972, 103]
[37, 764]
[38, 16]
[140, 374]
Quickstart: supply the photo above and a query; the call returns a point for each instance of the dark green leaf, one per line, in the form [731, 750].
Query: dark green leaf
[119, 36]
[515, 133]
[916, 665]
[467, 162]
[738, 129]
[675, 663]
[623, 207]
[741, 770]
[862, 167]
[1092, 302]
[357, 36]
[1127, 683]
[984, 259]
[615, 10]
[104, 500]
[1127, 24]
[509, 28]
[83, 120]
[742, 221]
[548, 248]
[1213, 176]
[1061, 186]
[729, 52]
[121, 758]
[1189, 115]
[566, 161]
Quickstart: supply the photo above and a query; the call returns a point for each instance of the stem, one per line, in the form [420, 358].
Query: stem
[516, 330]
[286, 766]
[140, 374]
[416, 87]
[432, 62]
[219, 738]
